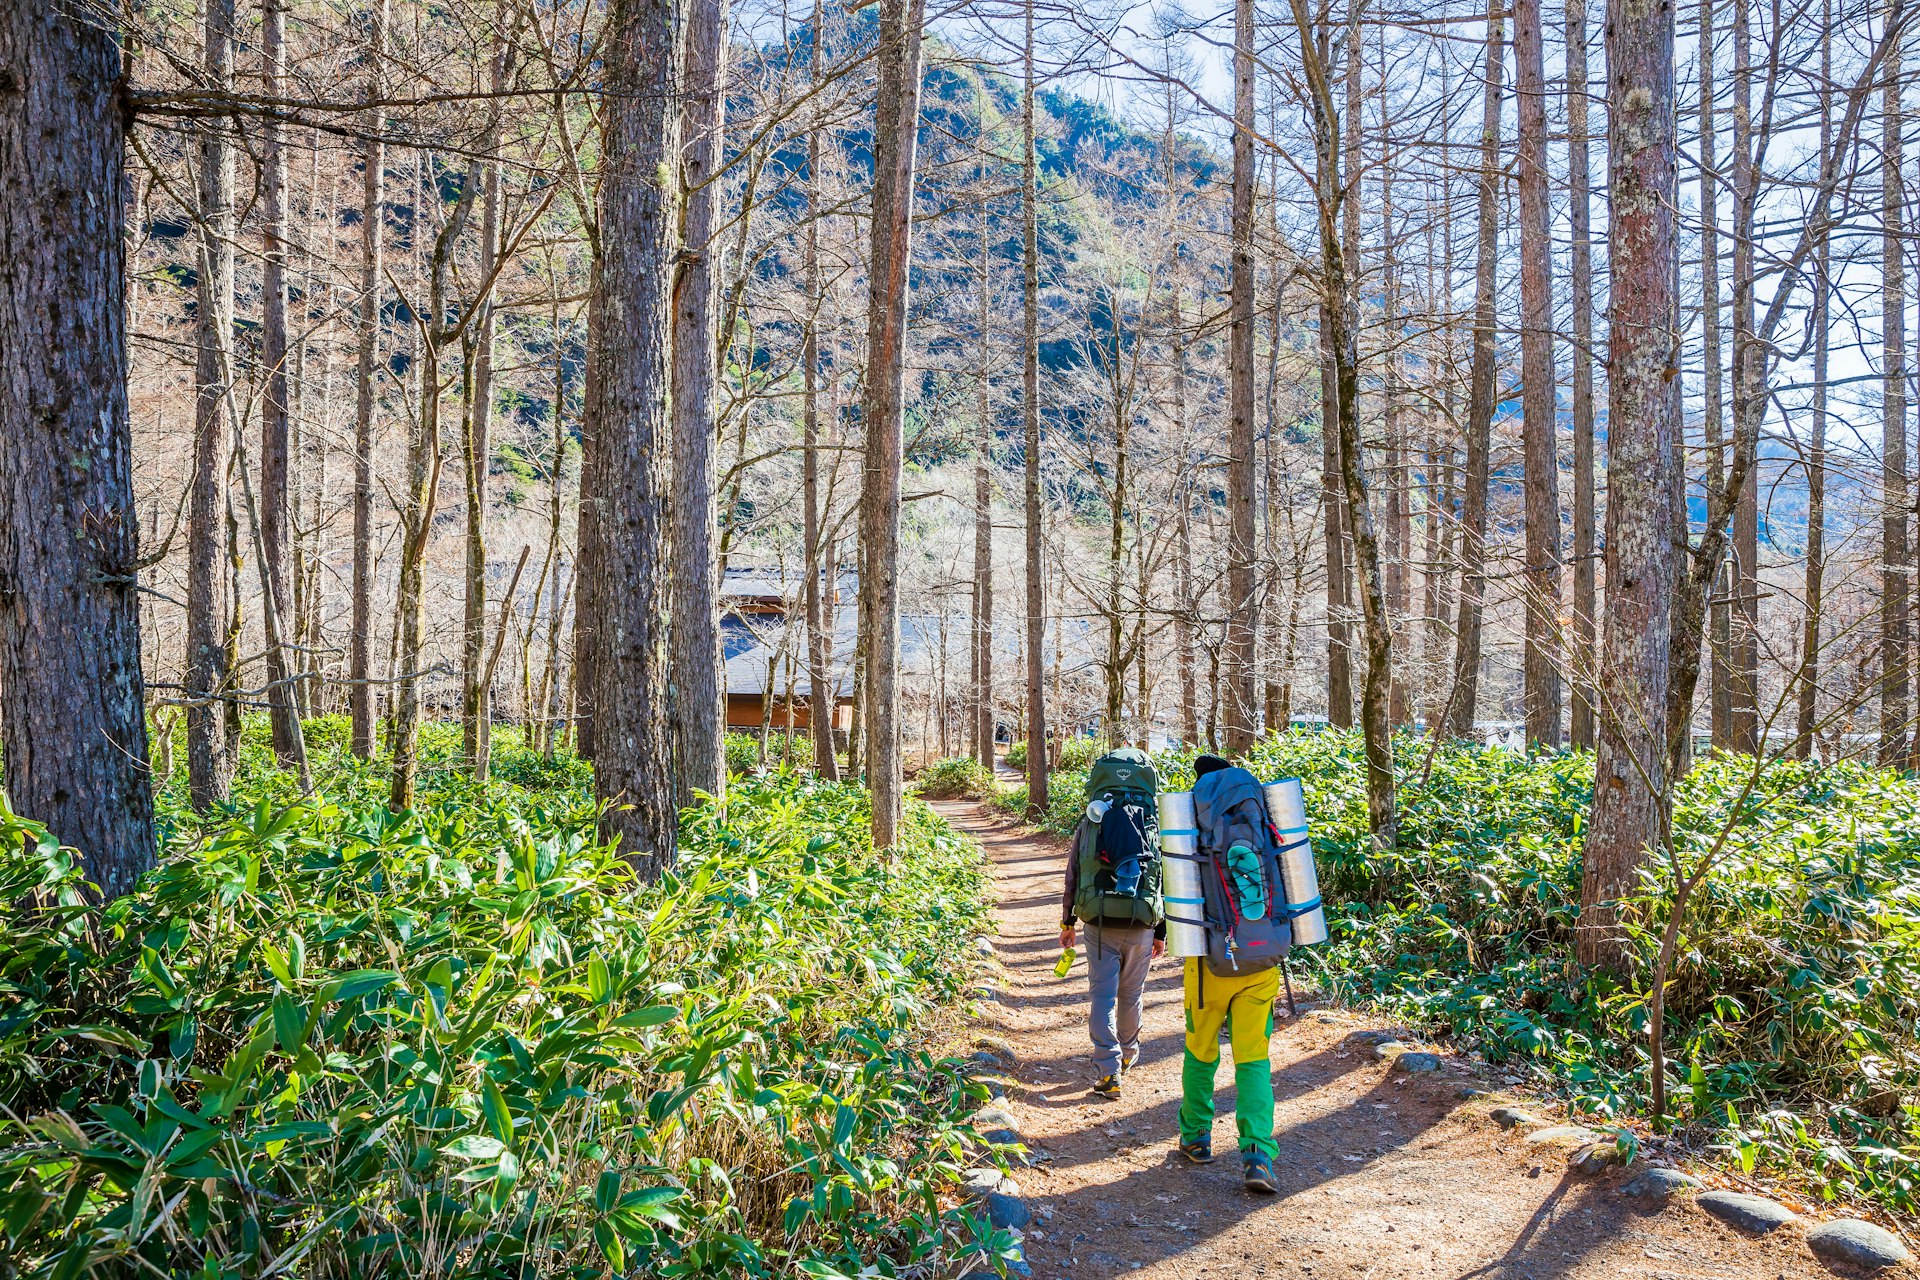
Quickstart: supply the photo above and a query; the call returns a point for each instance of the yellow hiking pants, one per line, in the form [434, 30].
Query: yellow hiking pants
[1244, 1005]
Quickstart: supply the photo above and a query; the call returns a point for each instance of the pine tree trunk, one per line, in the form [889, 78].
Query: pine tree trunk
[1631, 770]
[209, 762]
[1243, 603]
[1539, 388]
[372, 224]
[1580, 272]
[897, 122]
[983, 711]
[1030, 419]
[275, 426]
[75, 732]
[1749, 407]
[1807, 718]
[632, 741]
[1895, 639]
[1481, 400]
[699, 728]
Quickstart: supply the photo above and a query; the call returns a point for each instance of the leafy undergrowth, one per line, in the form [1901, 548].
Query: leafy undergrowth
[325, 1040]
[1793, 1017]
[954, 778]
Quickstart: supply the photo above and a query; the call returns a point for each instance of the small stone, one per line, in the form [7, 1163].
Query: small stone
[1861, 1243]
[1386, 1050]
[1512, 1117]
[1466, 1093]
[1561, 1135]
[984, 945]
[1595, 1157]
[1658, 1185]
[984, 1058]
[1377, 1036]
[1006, 1212]
[994, 1118]
[1749, 1213]
[1417, 1064]
[1000, 1047]
[1004, 1137]
[1329, 1017]
[982, 1182]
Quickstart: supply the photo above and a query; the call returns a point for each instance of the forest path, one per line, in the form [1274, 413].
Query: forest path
[1381, 1175]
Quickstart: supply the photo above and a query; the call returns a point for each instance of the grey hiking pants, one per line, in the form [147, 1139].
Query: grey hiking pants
[1117, 980]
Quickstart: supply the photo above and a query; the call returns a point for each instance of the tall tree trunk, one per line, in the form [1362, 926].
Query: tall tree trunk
[1749, 407]
[883, 411]
[983, 714]
[74, 728]
[209, 764]
[476, 451]
[1720, 694]
[1030, 420]
[699, 725]
[372, 224]
[1586, 601]
[1339, 302]
[1186, 605]
[822, 702]
[1807, 719]
[1243, 604]
[275, 426]
[631, 431]
[1539, 389]
[1481, 400]
[1895, 639]
[1630, 786]
[1339, 580]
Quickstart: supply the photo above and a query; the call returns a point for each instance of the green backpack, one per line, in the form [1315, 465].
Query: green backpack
[1118, 842]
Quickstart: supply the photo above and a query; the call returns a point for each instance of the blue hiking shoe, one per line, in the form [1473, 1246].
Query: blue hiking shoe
[1197, 1150]
[1259, 1173]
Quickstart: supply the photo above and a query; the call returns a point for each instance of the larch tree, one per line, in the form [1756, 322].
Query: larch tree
[699, 729]
[631, 430]
[1630, 786]
[896, 121]
[368, 326]
[1036, 535]
[1243, 604]
[72, 721]
[1586, 602]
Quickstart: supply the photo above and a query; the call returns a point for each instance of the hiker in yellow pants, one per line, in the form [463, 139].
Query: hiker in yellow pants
[1245, 1006]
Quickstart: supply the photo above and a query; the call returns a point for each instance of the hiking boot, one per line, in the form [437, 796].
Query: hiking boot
[1130, 1059]
[1197, 1150]
[1258, 1171]
[1107, 1086]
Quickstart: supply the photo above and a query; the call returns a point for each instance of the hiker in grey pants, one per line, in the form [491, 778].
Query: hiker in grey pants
[1117, 958]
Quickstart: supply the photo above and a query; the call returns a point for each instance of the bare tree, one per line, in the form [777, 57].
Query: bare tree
[631, 430]
[1580, 272]
[897, 122]
[1030, 420]
[1243, 606]
[74, 729]
[275, 426]
[372, 226]
[1631, 769]
[1895, 639]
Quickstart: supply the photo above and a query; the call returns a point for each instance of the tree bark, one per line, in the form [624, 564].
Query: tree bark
[1720, 694]
[1586, 602]
[983, 708]
[372, 220]
[1539, 388]
[275, 425]
[1895, 637]
[1030, 421]
[1807, 717]
[632, 747]
[209, 762]
[1749, 406]
[1243, 602]
[822, 683]
[75, 733]
[897, 122]
[1630, 788]
[1481, 400]
[699, 725]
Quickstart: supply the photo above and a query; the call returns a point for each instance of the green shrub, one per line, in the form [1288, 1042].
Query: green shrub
[1017, 755]
[956, 777]
[745, 753]
[326, 1040]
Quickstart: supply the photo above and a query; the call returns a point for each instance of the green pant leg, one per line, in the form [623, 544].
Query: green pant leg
[1251, 1022]
[1201, 1061]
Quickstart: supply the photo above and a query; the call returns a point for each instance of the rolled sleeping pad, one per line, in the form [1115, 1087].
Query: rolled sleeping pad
[1288, 809]
[1180, 875]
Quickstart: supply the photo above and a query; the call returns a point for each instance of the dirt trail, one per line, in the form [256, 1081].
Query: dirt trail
[1380, 1175]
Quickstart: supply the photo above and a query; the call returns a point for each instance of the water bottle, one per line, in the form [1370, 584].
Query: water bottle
[1064, 963]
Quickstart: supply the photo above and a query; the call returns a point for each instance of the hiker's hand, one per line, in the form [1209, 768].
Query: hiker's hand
[1066, 936]
[1159, 947]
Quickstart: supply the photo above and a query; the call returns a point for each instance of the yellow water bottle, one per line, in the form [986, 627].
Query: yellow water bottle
[1064, 963]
